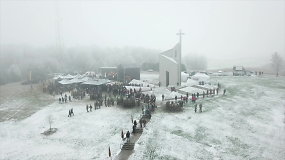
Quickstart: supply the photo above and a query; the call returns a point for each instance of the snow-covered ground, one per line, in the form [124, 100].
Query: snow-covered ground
[83, 136]
[247, 123]
[20, 101]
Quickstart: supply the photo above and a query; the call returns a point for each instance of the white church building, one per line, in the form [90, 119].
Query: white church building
[169, 67]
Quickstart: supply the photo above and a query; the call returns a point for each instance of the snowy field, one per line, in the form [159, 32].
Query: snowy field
[20, 101]
[247, 123]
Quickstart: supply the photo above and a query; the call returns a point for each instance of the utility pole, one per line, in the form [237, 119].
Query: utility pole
[180, 34]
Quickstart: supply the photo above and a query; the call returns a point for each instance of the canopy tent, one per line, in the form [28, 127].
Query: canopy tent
[97, 82]
[69, 76]
[140, 83]
[201, 77]
[184, 76]
[65, 81]
[78, 79]
[191, 82]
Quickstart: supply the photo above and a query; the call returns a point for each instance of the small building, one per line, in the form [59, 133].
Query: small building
[128, 73]
[109, 72]
[239, 71]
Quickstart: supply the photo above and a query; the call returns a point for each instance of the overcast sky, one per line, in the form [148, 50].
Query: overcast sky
[228, 33]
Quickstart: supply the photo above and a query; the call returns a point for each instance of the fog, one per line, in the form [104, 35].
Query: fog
[90, 34]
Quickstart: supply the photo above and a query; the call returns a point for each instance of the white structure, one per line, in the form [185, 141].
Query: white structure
[169, 67]
[201, 77]
[239, 71]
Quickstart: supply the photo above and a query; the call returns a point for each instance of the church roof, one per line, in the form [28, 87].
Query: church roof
[170, 59]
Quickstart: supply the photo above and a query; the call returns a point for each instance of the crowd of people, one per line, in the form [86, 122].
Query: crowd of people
[174, 105]
[142, 123]
[177, 104]
[109, 94]
[200, 107]
[63, 99]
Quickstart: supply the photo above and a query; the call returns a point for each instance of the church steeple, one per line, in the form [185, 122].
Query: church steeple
[179, 56]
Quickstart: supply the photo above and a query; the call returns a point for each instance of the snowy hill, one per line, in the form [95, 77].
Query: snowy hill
[247, 123]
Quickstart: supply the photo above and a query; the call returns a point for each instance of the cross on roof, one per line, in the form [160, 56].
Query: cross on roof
[180, 34]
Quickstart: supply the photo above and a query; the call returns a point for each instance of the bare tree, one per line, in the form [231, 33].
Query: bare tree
[276, 62]
[50, 121]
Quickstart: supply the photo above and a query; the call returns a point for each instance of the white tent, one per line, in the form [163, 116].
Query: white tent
[201, 77]
[184, 77]
[191, 82]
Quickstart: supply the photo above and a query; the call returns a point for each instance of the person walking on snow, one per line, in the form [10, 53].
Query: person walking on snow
[140, 121]
[72, 112]
[134, 129]
[200, 107]
[128, 136]
[224, 92]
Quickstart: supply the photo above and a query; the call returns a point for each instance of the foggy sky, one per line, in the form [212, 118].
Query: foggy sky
[226, 32]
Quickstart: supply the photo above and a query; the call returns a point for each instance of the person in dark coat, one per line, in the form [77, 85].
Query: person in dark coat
[69, 113]
[200, 107]
[135, 123]
[224, 92]
[195, 108]
[144, 122]
[87, 107]
[128, 136]
[59, 99]
[90, 107]
[122, 134]
[134, 129]
[140, 121]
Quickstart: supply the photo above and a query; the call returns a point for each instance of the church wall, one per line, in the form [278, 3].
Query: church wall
[168, 65]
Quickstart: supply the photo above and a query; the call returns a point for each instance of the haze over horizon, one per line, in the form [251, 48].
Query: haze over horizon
[227, 33]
